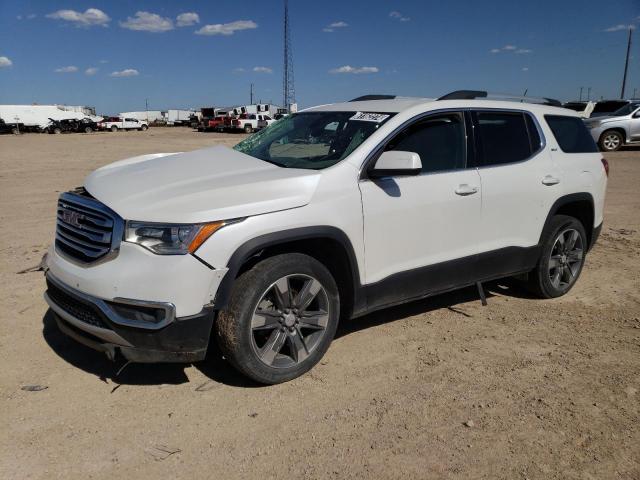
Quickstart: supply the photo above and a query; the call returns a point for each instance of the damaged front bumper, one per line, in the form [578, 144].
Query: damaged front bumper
[143, 332]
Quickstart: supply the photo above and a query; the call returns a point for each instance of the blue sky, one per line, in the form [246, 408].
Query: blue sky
[114, 55]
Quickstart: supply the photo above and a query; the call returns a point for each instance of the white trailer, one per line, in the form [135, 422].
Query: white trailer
[146, 115]
[39, 115]
[179, 117]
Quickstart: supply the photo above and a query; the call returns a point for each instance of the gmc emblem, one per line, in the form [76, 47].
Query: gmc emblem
[72, 218]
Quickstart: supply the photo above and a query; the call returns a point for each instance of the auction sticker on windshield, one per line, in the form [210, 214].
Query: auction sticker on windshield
[370, 117]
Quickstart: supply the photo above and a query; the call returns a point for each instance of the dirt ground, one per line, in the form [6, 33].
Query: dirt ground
[550, 389]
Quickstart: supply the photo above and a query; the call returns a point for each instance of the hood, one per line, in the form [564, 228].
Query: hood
[212, 184]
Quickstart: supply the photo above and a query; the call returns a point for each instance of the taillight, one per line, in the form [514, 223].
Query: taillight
[605, 164]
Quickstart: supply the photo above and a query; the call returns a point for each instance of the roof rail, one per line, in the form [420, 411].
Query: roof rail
[464, 95]
[472, 94]
[364, 98]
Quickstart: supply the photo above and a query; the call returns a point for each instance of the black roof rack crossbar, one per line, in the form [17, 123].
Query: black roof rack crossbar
[464, 95]
[364, 98]
[472, 94]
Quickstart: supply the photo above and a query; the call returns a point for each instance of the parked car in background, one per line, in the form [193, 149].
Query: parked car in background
[607, 107]
[262, 248]
[265, 121]
[117, 123]
[71, 125]
[14, 128]
[216, 124]
[247, 122]
[618, 129]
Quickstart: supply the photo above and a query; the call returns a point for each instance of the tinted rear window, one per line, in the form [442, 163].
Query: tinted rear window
[572, 134]
[504, 138]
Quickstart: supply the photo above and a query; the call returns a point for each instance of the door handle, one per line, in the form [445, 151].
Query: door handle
[465, 189]
[550, 180]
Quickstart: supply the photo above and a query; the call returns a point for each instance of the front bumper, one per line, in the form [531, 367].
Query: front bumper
[101, 325]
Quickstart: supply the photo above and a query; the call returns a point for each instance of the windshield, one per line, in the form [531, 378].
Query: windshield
[312, 140]
[626, 110]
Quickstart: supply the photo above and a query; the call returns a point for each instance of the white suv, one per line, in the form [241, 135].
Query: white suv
[328, 214]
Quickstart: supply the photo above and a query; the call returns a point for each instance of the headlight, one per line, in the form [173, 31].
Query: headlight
[170, 239]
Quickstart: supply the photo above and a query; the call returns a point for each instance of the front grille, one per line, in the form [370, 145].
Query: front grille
[86, 229]
[76, 308]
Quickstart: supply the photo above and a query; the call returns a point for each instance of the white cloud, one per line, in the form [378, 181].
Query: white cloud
[91, 71]
[238, 70]
[525, 69]
[262, 70]
[5, 62]
[332, 26]
[31, 16]
[511, 49]
[147, 22]
[129, 72]
[621, 26]
[104, 61]
[69, 69]
[355, 70]
[227, 28]
[398, 16]
[187, 19]
[90, 17]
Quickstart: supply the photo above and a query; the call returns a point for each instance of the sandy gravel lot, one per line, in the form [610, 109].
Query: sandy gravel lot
[552, 387]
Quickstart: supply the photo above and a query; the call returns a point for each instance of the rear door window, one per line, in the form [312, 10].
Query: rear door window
[505, 137]
[571, 134]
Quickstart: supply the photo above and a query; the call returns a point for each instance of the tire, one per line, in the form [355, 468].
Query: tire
[610, 141]
[57, 131]
[114, 128]
[15, 131]
[143, 128]
[279, 344]
[561, 260]
[248, 129]
[88, 129]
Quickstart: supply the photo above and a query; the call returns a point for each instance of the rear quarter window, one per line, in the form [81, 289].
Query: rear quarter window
[571, 134]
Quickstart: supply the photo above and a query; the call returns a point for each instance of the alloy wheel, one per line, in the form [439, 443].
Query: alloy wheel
[611, 142]
[566, 259]
[289, 321]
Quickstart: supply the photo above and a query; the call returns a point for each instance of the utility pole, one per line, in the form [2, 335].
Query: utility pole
[251, 95]
[288, 89]
[626, 65]
[588, 94]
[146, 108]
[580, 99]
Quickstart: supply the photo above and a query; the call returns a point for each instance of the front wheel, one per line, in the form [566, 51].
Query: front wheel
[611, 141]
[143, 128]
[281, 318]
[248, 129]
[88, 129]
[114, 128]
[563, 253]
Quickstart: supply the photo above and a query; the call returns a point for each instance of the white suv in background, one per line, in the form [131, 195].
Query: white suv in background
[326, 215]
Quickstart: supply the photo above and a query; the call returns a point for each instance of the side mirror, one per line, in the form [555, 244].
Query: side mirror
[395, 163]
[637, 114]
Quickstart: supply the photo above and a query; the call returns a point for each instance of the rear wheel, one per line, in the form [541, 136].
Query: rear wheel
[15, 131]
[57, 131]
[563, 253]
[281, 318]
[248, 129]
[114, 128]
[143, 127]
[611, 140]
[88, 129]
